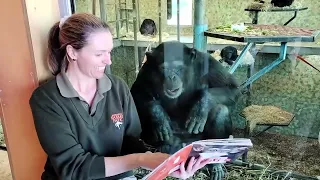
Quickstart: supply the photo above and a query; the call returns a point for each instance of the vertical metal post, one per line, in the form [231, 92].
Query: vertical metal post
[255, 17]
[117, 9]
[178, 20]
[103, 17]
[250, 72]
[120, 13]
[73, 6]
[199, 41]
[135, 31]
[160, 26]
[103, 13]
[138, 12]
[127, 15]
[94, 5]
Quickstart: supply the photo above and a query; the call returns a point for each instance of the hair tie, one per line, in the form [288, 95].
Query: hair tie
[62, 20]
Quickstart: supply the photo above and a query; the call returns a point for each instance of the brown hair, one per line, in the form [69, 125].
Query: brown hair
[74, 31]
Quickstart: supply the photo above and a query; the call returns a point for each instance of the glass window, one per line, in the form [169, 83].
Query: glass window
[185, 15]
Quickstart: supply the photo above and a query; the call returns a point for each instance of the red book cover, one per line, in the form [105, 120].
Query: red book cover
[170, 165]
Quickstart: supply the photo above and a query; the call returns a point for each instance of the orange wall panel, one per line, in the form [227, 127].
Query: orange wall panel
[22, 42]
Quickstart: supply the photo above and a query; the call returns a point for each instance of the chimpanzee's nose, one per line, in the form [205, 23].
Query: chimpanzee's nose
[172, 77]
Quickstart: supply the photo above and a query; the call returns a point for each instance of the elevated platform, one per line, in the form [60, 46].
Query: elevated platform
[305, 48]
[263, 33]
[256, 34]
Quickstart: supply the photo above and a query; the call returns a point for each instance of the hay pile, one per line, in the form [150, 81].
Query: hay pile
[234, 172]
[256, 114]
[249, 31]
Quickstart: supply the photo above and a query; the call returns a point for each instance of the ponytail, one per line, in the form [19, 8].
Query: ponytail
[56, 54]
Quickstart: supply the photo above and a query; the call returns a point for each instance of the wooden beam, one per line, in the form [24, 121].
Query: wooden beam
[25, 25]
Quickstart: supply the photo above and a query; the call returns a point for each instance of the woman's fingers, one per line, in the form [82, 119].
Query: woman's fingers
[190, 164]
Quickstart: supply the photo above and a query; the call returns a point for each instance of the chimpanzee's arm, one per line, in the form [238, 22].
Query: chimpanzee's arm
[220, 87]
[208, 99]
[154, 119]
[161, 121]
[225, 96]
[199, 113]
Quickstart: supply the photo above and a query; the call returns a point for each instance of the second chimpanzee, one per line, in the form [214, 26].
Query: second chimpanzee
[183, 95]
[148, 28]
[229, 54]
[281, 3]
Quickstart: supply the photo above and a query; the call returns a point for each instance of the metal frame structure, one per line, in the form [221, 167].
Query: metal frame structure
[201, 34]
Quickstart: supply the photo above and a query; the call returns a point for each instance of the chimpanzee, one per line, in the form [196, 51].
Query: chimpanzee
[229, 54]
[182, 95]
[148, 28]
[281, 3]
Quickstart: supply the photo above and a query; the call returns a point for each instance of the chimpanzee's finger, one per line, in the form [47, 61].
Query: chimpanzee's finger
[160, 135]
[196, 128]
[191, 126]
[202, 125]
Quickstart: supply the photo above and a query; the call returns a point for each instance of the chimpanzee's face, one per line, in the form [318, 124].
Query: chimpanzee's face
[172, 76]
[172, 66]
[229, 53]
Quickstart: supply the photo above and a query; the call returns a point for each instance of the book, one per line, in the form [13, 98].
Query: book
[217, 150]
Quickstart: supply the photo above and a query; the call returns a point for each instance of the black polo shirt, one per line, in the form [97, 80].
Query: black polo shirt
[76, 137]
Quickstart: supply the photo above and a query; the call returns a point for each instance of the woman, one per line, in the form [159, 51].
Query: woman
[85, 119]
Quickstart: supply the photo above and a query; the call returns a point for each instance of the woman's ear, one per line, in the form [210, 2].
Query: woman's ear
[71, 52]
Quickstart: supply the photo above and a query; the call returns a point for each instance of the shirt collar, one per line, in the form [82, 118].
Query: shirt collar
[66, 89]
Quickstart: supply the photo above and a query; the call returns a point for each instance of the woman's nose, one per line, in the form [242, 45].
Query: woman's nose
[107, 60]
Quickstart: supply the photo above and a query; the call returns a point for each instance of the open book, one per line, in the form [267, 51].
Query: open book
[218, 150]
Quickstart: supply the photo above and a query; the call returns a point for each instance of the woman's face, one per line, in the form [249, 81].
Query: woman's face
[93, 58]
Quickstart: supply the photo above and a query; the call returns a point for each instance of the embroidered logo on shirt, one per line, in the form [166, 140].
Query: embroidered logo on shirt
[117, 120]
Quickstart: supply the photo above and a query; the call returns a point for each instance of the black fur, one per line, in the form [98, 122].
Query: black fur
[229, 54]
[148, 27]
[281, 3]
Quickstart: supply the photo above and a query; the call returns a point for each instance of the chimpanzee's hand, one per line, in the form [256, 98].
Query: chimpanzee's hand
[161, 121]
[163, 131]
[216, 171]
[198, 117]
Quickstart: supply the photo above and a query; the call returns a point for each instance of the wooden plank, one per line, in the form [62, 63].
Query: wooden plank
[22, 64]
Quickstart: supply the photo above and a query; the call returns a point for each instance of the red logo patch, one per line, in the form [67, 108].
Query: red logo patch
[117, 117]
[117, 120]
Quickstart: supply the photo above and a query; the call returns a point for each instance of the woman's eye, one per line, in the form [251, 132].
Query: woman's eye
[98, 55]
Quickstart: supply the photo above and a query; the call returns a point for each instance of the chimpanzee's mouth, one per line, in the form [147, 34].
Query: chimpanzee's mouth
[173, 92]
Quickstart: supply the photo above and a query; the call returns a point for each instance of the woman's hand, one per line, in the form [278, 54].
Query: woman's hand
[151, 160]
[193, 166]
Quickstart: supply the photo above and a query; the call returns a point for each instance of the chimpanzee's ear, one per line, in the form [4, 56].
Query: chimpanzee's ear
[149, 54]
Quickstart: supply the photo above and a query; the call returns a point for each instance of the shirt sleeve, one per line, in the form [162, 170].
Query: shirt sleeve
[68, 158]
